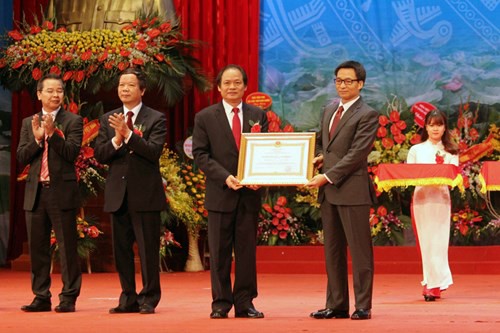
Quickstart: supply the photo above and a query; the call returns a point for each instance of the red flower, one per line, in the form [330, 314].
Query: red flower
[374, 221]
[153, 33]
[160, 57]
[395, 130]
[381, 211]
[256, 128]
[281, 201]
[79, 76]
[381, 132]
[86, 55]
[394, 116]
[274, 126]
[122, 65]
[138, 62]
[61, 29]
[474, 135]
[416, 138]
[139, 133]
[93, 232]
[272, 117]
[439, 158]
[283, 234]
[103, 56]
[275, 221]
[73, 107]
[124, 53]
[47, 25]
[36, 74]
[165, 27]
[400, 138]
[288, 128]
[35, 29]
[383, 120]
[15, 35]
[18, 64]
[387, 143]
[109, 64]
[267, 208]
[401, 124]
[55, 70]
[67, 75]
[141, 45]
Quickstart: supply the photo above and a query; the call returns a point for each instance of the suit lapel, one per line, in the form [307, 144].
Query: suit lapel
[246, 119]
[345, 118]
[142, 117]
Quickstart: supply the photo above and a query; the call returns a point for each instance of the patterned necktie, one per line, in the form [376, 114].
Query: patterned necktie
[237, 127]
[336, 120]
[44, 171]
[130, 125]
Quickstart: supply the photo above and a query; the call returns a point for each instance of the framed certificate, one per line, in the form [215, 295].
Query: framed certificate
[281, 159]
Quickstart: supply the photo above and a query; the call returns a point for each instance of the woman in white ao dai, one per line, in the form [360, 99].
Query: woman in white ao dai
[432, 205]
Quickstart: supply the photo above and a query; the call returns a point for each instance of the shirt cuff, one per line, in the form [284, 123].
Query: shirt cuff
[115, 145]
[128, 137]
[327, 178]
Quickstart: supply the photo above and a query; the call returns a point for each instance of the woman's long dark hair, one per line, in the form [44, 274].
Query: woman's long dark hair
[439, 118]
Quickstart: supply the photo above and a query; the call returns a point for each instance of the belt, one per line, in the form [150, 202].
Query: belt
[45, 184]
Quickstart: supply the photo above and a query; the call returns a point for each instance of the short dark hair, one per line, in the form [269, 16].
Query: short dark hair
[50, 76]
[231, 66]
[359, 69]
[138, 73]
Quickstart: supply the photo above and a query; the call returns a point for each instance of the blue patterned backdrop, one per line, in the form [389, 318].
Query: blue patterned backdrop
[440, 51]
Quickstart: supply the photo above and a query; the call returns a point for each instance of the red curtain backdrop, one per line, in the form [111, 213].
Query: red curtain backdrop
[229, 31]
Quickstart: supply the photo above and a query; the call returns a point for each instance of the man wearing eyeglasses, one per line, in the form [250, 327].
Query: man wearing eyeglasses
[50, 143]
[346, 193]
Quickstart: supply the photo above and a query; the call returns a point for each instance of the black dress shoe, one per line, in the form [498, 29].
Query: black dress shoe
[360, 314]
[218, 314]
[329, 314]
[65, 307]
[37, 305]
[146, 309]
[249, 313]
[122, 309]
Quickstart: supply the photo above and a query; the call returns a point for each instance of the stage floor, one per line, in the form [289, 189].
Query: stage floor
[472, 304]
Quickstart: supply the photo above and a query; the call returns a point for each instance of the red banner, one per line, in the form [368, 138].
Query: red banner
[397, 175]
[490, 176]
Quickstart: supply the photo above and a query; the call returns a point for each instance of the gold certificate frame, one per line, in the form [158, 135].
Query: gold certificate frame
[276, 159]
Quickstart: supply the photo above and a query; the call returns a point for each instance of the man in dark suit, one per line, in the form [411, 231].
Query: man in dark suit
[130, 141]
[50, 142]
[233, 210]
[346, 192]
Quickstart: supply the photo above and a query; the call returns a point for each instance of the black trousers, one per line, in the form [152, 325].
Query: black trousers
[39, 222]
[144, 228]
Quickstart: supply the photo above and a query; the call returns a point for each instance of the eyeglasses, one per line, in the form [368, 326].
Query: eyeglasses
[347, 82]
[51, 92]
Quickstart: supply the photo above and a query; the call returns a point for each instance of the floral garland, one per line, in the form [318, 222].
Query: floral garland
[91, 60]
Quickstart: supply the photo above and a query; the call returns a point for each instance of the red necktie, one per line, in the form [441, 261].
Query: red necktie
[44, 171]
[130, 125]
[336, 120]
[237, 127]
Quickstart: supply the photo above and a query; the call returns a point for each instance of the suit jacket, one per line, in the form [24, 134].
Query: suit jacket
[216, 154]
[345, 155]
[61, 159]
[134, 168]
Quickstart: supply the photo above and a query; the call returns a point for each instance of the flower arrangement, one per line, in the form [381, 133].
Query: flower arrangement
[181, 205]
[275, 123]
[89, 172]
[393, 137]
[87, 231]
[167, 242]
[386, 227]
[91, 60]
[195, 187]
[278, 225]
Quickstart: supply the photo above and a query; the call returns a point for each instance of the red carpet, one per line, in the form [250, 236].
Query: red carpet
[472, 304]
